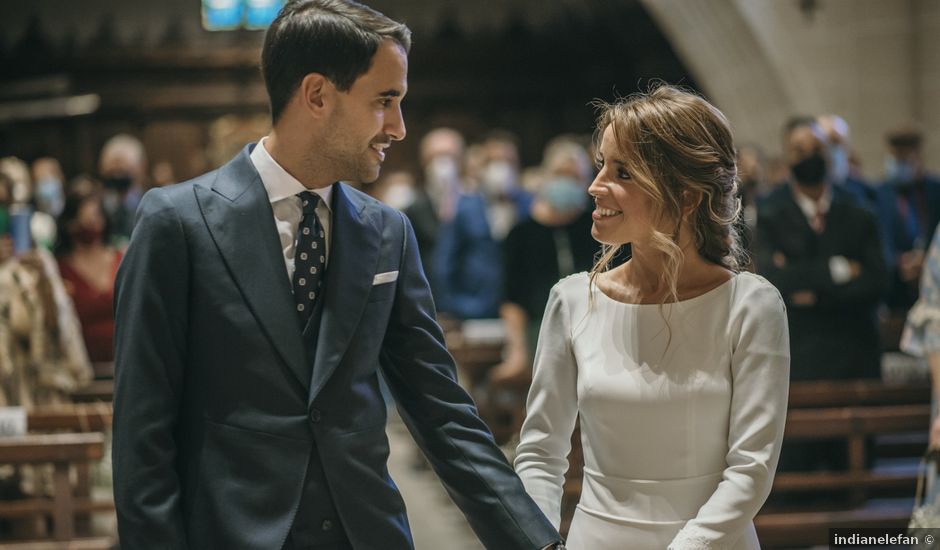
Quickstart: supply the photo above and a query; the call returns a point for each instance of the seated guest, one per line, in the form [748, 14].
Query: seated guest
[89, 266]
[909, 210]
[554, 242]
[42, 358]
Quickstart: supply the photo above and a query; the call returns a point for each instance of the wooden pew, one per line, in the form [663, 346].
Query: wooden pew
[865, 410]
[100, 543]
[95, 391]
[61, 450]
[83, 417]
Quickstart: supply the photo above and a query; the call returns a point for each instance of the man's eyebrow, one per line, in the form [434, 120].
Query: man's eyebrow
[390, 93]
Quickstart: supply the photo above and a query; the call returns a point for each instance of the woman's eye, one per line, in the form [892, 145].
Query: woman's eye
[623, 174]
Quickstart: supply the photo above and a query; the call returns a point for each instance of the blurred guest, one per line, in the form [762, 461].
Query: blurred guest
[551, 244]
[921, 336]
[822, 251]
[396, 189]
[42, 359]
[49, 186]
[434, 197]
[123, 168]
[506, 201]
[18, 172]
[841, 172]
[42, 226]
[753, 187]
[89, 265]
[909, 210]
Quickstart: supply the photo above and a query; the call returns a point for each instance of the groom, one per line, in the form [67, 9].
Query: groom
[257, 306]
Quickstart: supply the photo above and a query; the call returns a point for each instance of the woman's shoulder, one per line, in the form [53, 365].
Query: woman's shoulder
[573, 286]
[754, 291]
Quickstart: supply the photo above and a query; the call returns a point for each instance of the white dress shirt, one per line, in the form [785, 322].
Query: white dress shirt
[282, 191]
[839, 268]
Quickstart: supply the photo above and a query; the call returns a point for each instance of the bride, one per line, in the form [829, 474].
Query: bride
[676, 362]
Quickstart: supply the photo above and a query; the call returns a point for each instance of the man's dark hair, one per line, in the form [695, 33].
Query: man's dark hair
[905, 137]
[336, 38]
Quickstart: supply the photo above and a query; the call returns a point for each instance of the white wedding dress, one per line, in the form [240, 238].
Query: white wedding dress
[680, 426]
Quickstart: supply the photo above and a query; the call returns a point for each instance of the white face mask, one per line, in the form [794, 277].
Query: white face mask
[442, 178]
[499, 178]
[399, 196]
[442, 170]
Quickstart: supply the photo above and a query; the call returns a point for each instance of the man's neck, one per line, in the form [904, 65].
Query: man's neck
[292, 156]
[814, 192]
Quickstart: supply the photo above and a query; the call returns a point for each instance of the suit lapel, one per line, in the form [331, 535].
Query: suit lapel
[354, 253]
[238, 214]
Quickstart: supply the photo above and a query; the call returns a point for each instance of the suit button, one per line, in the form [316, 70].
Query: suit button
[327, 525]
[315, 415]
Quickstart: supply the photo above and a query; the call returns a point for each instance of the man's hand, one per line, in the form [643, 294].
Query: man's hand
[804, 298]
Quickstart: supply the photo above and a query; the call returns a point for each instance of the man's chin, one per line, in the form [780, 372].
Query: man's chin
[370, 176]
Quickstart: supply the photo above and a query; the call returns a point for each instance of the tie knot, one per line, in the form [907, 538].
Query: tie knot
[309, 201]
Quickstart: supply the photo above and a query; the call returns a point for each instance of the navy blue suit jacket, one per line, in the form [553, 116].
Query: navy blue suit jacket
[216, 412]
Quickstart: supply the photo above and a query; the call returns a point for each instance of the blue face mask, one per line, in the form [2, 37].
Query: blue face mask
[839, 163]
[564, 195]
[49, 196]
[901, 172]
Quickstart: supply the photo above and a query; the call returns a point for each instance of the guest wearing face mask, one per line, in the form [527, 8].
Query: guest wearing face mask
[48, 187]
[499, 180]
[434, 198]
[553, 243]
[909, 210]
[42, 226]
[822, 251]
[123, 168]
[89, 265]
[842, 174]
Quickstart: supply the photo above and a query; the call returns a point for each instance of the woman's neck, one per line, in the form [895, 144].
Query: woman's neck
[642, 279]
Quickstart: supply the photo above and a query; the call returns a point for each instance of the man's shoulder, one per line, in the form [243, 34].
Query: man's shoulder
[775, 201]
[179, 197]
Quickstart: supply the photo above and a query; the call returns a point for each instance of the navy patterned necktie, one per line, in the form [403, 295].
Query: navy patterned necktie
[309, 257]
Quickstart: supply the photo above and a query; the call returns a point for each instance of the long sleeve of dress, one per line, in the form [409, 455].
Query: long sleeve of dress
[760, 369]
[552, 409]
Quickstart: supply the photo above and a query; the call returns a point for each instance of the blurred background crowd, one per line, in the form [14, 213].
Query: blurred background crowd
[832, 101]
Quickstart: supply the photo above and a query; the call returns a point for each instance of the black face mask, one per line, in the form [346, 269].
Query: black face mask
[118, 183]
[810, 171]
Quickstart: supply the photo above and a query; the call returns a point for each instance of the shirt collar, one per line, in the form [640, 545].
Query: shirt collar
[277, 182]
[811, 207]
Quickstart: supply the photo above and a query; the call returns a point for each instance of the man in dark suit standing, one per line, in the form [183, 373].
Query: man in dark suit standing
[256, 307]
[822, 250]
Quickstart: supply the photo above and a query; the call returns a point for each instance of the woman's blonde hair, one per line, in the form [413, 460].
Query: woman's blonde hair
[678, 149]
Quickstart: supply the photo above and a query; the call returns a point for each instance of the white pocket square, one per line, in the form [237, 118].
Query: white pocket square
[386, 277]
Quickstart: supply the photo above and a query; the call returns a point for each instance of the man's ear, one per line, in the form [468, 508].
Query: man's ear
[315, 94]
